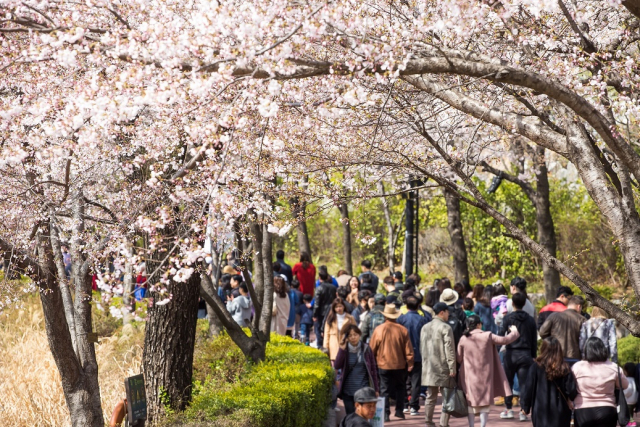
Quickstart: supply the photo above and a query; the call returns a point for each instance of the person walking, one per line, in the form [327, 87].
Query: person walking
[483, 309]
[457, 318]
[281, 307]
[354, 289]
[325, 294]
[437, 349]
[365, 408]
[362, 309]
[305, 272]
[413, 322]
[305, 311]
[481, 374]
[601, 327]
[519, 355]
[393, 351]
[343, 278]
[550, 388]
[565, 326]
[284, 267]
[597, 379]
[558, 305]
[519, 286]
[240, 307]
[337, 319]
[365, 266]
[374, 318]
[358, 366]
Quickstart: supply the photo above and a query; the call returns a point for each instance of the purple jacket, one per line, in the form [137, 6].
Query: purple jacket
[342, 363]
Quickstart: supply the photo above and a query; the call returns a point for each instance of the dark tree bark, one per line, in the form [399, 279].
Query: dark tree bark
[454, 226]
[298, 209]
[254, 346]
[539, 197]
[167, 360]
[544, 222]
[346, 238]
[409, 237]
[78, 370]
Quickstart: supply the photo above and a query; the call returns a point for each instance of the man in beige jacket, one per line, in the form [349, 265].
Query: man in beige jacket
[438, 360]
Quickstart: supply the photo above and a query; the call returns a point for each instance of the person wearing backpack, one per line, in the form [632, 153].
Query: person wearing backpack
[457, 318]
[374, 318]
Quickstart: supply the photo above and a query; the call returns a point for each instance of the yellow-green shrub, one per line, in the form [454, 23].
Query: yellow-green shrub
[629, 350]
[291, 388]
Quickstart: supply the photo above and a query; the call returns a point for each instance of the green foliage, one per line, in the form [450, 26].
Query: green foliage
[629, 350]
[291, 388]
[217, 361]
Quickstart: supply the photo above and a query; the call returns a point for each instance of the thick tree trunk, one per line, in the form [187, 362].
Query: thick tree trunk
[408, 236]
[167, 360]
[454, 226]
[544, 221]
[346, 238]
[267, 283]
[298, 211]
[615, 202]
[78, 371]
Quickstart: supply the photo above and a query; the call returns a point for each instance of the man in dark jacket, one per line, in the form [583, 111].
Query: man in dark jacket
[565, 327]
[374, 318]
[325, 294]
[366, 400]
[284, 267]
[414, 322]
[519, 354]
[558, 305]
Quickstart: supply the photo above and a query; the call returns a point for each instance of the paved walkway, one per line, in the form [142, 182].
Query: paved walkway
[418, 420]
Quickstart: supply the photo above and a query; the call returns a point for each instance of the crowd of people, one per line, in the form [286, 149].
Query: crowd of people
[402, 341]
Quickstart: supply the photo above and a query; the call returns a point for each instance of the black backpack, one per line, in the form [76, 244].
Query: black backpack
[375, 319]
[457, 321]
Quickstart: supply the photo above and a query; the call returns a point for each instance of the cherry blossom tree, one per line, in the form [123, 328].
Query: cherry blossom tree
[167, 119]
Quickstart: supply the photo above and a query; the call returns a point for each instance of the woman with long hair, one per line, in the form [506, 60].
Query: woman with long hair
[482, 376]
[337, 318]
[281, 307]
[354, 288]
[600, 326]
[477, 293]
[431, 298]
[358, 366]
[550, 388]
[483, 309]
[597, 379]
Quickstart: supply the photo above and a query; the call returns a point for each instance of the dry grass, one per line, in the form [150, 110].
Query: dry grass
[30, 389]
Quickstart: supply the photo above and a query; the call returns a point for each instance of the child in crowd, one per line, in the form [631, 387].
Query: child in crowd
[631, 392]
[295, 287]
[467, 305]
[305, 310]
[499, 303]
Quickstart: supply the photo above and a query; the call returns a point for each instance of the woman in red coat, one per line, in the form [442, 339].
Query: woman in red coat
[481, 374]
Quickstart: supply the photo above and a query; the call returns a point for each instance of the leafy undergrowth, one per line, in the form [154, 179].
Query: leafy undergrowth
[291, 388]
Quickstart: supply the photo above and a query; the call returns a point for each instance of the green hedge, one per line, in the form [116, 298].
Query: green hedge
[628, 350]
[291, 388]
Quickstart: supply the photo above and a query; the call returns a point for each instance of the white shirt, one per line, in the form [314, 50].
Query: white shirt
[341, 318]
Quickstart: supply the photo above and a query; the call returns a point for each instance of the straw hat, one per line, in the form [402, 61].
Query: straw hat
[390, 311]
[449, 296]
[229, 270]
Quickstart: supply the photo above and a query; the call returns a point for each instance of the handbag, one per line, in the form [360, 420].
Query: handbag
[621, 404]
[454, 402]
